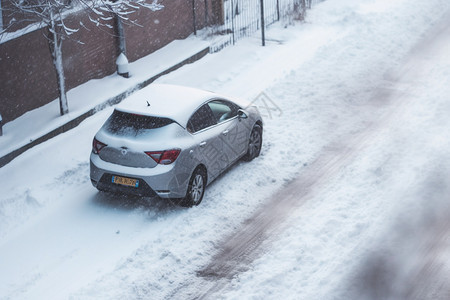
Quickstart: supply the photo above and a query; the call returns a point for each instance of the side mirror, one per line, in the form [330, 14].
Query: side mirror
[242, 114]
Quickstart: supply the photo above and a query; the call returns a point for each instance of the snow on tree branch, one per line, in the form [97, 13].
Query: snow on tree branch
[47, 11]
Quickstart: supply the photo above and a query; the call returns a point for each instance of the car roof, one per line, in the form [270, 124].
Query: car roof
[168, 101]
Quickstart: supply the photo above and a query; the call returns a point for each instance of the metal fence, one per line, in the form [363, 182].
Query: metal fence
[242, 18]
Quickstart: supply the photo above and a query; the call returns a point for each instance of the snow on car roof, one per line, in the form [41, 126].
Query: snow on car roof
[168, 101]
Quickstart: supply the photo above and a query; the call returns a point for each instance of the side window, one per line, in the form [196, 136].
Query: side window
[223, 110]
[201, 119]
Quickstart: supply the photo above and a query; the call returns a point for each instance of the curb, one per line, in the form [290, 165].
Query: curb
[111, 101]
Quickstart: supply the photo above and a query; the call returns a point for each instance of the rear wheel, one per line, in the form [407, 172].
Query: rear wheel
[196, 188]
[254, 143]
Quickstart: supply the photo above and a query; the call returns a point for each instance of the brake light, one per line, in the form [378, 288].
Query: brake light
[97, 146]
[164, 157]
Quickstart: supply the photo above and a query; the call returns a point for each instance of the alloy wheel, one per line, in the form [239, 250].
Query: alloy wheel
[197, 189]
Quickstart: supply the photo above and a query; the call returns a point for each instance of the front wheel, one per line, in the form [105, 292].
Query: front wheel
[254, 143]
[196, 189]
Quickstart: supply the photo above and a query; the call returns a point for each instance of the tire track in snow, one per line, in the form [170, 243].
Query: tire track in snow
[430, 277]
[250, 242]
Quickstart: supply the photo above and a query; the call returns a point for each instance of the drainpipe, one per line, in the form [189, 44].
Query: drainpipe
[122, 60]
[1, 16]
[206, 13]
[122, 43]
[193, 15]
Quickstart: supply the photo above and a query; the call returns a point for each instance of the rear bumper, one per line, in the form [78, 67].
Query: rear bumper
[106, 184]
[165, 181]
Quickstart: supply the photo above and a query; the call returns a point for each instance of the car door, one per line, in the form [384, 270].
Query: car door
[233, 132]
[208, 148]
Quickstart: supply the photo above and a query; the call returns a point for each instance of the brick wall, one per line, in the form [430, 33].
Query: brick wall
[27, 76]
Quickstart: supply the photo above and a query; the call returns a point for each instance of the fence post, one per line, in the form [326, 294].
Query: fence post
[263, 37]
[232, 21]
[278, 10]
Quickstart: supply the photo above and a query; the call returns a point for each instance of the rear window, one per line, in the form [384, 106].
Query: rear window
[127, 123]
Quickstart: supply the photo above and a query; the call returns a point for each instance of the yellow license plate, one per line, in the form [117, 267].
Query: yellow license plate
[125, 181]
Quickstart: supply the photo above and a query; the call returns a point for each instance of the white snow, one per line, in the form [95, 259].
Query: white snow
[170, 101]
[167, 101]
[7, 36]
[367, 76]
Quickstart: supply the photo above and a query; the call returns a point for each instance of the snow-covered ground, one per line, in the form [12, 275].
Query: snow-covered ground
[367, 81]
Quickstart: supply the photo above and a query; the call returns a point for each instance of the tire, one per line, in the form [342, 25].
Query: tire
[254, 143]
[196, 188]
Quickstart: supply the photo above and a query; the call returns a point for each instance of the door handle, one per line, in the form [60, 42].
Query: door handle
[225, 132]
[202, 144]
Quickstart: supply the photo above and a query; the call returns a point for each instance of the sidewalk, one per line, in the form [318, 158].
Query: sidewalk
[43, 123]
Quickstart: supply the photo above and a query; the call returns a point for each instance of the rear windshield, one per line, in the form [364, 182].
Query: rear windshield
[133, 124]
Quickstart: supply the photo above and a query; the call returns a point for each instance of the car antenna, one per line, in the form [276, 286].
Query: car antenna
[148, 104]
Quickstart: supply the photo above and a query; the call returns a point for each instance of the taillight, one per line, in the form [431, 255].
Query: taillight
[164, 157]
[97, 146]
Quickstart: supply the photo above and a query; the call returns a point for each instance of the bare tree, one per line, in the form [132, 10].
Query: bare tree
[52, 13]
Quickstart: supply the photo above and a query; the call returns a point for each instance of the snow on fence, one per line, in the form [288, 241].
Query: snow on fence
[242, 18]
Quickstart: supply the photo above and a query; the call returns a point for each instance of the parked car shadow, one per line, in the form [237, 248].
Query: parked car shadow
[129, 203]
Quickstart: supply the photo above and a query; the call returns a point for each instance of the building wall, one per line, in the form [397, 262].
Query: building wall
[27, 76]
[27, 79]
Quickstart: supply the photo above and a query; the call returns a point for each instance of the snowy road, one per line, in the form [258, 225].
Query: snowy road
[361, 103]
[429, 271]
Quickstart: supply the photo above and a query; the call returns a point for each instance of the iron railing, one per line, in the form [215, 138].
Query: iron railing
[242, 18]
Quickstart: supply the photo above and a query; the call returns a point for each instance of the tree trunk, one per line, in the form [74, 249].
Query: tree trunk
[55, 44]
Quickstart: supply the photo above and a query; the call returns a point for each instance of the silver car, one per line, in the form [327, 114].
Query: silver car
[171, 141]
